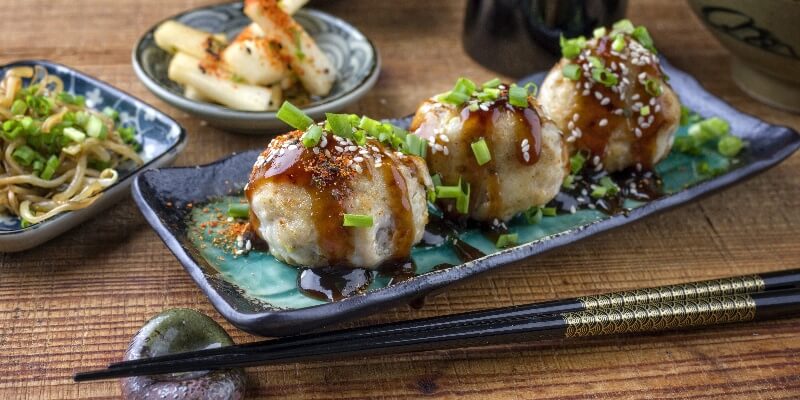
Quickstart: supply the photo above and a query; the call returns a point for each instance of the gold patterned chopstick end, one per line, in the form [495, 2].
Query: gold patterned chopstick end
[660, 316]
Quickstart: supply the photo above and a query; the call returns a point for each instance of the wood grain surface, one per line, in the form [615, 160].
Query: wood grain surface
[74, 302]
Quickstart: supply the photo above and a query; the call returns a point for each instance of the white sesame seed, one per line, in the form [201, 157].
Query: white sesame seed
[638, 132]
[598, 95]
[357, 168]
[596, 159]
[352, 148]
[618, 111]
[363, 152]
[584, 192]
[444, 138]
[280, 153]
[524, 142]
[445, 150]
[635, 97]
[292, 147]
[248, 245]
[315, 150]
[575, 117]
[605, 101]
[358, 159]
[376, 149]
[338, 149]
[571, 125]
[603, 122]
[572, 210]
[652, 101]
[592, 206]
[484, 107]
[598, 167]
[585, 93]
[639, 167]
[571, 139]
[526, 156]
[657, 108]
[438, 147]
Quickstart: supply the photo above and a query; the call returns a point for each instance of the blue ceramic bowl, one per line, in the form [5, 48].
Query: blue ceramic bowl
[355, 58]
[161, 137]
[259, 294]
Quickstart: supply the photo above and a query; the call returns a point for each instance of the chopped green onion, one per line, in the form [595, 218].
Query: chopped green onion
[709, 129]
[96, 128]
[488, 94]
[730, 146]
[50, 168]
[74, 134]
[127, 133]
[604, 76]
[571, 71]
[112, 113]
[518, 96]
[570, 48]
[623, 26]
[370, 125]
[618, 44]
[27, 124]
[357, 220]
[569, 181]
[239, 210]
[437, 180]
[298, 44]
[549, 211]
[312, 136]
[431, 195]
[576, 162]
[653, 87]
[38, 165]
[24, 154]
[340, 125]
[416, 145]
[492, 83]
[69, 98]
[596, 62]
[360, 137]
[507, 240]
[448, 192]
[599, 191]
[644, 111]
[464, 85]
[687, 145]
[610, 186]
[531, 88]
[453, 97]
[462, 201]
[717, 125]
[533, 215]
[599, 32]
[293, 116]
[19, 107]
[481, 151]
[643, 37]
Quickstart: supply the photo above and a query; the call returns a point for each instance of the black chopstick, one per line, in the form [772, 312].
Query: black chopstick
[615, 319]
[730, 285]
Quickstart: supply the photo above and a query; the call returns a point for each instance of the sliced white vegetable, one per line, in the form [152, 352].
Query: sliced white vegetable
[291, 6]
[255, 61]
[218, 87]
[172, 36]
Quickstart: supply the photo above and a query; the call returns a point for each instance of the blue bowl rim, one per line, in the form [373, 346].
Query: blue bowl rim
[119, 93]
[220, 111]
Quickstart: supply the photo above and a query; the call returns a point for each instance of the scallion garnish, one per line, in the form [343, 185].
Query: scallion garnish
[576, 162]
[340, 124]
[618, 44]
[599, 32]
[604, 76]
[569, 181]
[623, 26]
[24, 155]
[74, 134]
[533, 215]
[570, 48]
[507, 240]
[448, 192]
[518, 96]
[571, 71]
[644, 111]
[462, 201]
[653, 87]
[239, 210]
[453, 97]
[293, 116]
[549, 211]
[488, 94]
[437, 180]
[643, 37]
[481, 151]
[311, 136]
[730, 146]
[96, 128]
[493, 83]
[416, 145]
[357, 220]
[18, 107]
[50, 168]
[598, 192]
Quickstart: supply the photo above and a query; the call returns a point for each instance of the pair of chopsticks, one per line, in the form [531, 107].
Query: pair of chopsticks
[725, 300]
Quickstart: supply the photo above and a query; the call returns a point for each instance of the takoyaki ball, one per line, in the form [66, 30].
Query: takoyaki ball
[299, 198]
[613, 101]
[528, 156]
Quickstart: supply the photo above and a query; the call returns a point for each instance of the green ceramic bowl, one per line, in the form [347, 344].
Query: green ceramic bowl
[764, 37]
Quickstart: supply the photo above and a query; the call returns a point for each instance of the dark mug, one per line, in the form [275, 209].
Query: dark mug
[518, 37]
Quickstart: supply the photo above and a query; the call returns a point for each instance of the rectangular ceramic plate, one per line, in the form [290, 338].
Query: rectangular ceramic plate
[161, 137]
[278, 309]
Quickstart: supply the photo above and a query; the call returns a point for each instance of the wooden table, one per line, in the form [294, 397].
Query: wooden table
[74, 302]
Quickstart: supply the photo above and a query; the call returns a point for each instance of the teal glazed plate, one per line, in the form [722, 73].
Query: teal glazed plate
[259, 294]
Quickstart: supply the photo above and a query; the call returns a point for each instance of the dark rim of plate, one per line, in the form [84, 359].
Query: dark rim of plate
[121, 94]
[138, 64]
